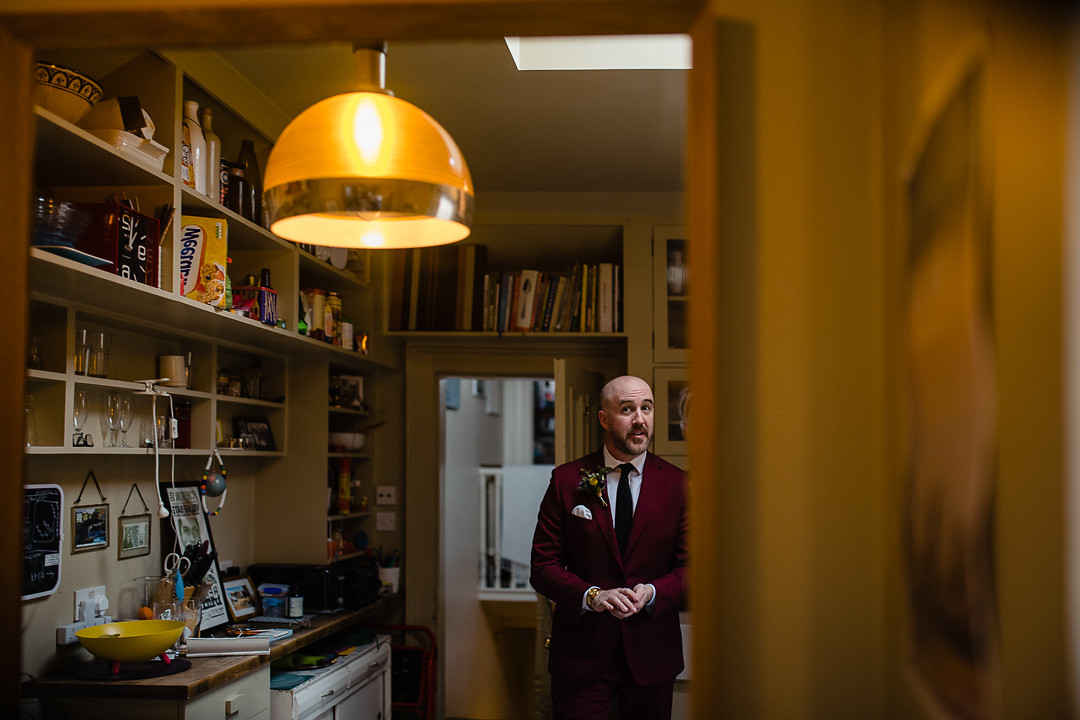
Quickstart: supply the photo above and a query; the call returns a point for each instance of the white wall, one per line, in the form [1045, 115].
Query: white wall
[485, 662]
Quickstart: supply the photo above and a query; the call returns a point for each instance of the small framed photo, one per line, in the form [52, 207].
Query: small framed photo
[261, 437]
[89, 527]
[254, 434]
[134, 533]
[241, 598]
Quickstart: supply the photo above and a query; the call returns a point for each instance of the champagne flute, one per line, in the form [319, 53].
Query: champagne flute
[79, 418]
[112, 416]
[124, 417]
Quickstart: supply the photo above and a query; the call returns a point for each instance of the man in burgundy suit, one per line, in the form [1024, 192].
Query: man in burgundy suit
[610, 550]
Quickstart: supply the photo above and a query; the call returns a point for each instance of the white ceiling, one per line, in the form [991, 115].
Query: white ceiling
[573, 131]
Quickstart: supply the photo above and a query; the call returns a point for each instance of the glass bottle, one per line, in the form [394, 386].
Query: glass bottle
[197, 146]
[254, 179]
[266, 279]
[213, 156]
[236, 194]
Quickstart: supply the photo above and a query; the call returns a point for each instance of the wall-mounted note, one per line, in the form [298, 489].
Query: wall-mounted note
[42, 525]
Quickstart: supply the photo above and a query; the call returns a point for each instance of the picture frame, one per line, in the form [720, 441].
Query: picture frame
[186, 525]
[89, 527]
[671, 390]
[133, 532]
[240, 598]
[255, 433]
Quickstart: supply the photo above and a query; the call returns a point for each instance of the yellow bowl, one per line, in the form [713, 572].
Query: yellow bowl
[131, 640]
[63, 91]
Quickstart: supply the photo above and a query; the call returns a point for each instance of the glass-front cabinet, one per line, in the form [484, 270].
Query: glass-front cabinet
[671, 293]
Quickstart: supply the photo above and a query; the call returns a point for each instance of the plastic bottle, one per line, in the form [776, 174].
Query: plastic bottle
[213, 156]
[197, 144]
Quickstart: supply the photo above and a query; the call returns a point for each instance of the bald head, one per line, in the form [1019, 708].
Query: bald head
[626, 413]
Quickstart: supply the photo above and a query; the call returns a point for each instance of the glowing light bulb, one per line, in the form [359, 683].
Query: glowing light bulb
[372, 239]
[368, 131]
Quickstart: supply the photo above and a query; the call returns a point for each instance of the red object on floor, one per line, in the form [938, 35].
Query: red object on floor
[412, 670]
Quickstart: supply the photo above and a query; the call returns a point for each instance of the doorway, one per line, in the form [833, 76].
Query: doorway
[496, 457]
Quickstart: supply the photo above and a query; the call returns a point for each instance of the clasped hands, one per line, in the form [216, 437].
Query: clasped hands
[623, 602]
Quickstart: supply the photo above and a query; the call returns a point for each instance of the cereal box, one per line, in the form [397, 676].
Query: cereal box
[203, 250]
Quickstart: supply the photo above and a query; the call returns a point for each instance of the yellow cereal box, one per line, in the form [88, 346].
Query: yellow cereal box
[203, 249]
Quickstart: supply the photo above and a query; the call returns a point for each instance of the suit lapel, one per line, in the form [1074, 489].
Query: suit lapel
[602, 515]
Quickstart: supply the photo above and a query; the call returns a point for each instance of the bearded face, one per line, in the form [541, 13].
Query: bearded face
[627, 416]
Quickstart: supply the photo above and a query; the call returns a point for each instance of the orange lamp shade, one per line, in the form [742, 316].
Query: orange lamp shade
[368, 170]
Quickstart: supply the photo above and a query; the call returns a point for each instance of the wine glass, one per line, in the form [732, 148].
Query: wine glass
[78, 416]
[124, 417]
[112, 417]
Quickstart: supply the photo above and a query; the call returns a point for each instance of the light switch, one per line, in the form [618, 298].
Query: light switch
[386, 521]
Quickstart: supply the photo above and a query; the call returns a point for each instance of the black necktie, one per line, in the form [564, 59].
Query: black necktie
[624, 507]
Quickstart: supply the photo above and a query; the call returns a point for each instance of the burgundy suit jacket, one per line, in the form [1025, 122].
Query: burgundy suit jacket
[570, 554]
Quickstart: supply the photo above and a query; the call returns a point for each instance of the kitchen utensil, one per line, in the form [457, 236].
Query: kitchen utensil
[131, 640]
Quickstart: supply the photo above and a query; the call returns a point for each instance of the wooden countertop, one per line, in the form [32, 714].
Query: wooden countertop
[205, 673]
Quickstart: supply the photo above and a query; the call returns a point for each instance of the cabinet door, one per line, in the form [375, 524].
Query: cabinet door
[671, 292]
[367, 702]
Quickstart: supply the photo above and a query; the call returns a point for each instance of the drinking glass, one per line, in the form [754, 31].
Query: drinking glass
[112, 417]
[146, 432]
[82, 350]
[99, 354]
[78, 416]
[28, 420]
[124, 418]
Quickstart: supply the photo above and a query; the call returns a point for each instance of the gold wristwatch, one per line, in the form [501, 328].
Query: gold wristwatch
[590, 596]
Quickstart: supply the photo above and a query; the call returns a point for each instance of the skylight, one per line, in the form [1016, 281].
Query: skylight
[609, 52]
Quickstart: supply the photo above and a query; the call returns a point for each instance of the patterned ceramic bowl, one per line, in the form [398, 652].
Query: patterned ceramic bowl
[64, 92]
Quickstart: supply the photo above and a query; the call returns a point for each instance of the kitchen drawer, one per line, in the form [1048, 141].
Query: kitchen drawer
[247, 697]
[243, 699]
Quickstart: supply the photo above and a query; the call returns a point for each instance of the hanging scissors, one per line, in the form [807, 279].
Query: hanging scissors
[175, 563]
[176, 566]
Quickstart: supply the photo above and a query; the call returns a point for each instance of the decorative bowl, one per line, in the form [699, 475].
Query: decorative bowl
[131, 640]
[63, 91]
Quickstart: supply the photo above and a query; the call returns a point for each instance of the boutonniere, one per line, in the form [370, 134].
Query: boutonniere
[595, 481]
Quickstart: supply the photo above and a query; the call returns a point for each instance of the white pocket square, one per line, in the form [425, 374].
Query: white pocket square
[582, 512]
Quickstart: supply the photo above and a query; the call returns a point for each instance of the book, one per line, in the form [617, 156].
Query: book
[551, 323]
[605, 296]
[525, 299]
[397, 290]
[414, 288]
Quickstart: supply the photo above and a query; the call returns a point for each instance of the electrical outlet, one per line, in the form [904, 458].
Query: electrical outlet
[65, 634]
[386, 495]
[385, 521]
[90, 596]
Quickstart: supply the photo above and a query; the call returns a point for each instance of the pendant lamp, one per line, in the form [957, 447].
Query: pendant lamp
[368, 170]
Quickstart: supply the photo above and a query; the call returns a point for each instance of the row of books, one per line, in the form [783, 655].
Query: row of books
[449, 288]
[585, 298]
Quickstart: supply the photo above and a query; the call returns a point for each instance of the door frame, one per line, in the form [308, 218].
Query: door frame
[426, 363]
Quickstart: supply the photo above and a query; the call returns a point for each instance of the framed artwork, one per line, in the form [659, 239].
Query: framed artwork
[241, 598]
[187, 525]
[134, 534]
[672, 412]
[255, 433]
[89, 527]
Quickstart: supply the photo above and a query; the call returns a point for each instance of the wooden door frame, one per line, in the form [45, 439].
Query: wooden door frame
[28, 25]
